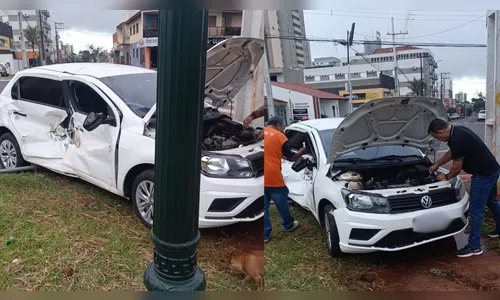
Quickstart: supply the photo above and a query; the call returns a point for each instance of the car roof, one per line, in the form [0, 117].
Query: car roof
[97, 70]
[321, 124]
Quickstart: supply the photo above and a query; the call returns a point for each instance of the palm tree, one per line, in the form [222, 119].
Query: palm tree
[418, 87]
[94, 52]
[31, 35]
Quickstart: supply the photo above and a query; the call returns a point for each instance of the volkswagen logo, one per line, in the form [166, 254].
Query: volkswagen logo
[426, 201]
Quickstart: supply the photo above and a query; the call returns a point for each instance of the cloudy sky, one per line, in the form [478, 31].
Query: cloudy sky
[467, 66]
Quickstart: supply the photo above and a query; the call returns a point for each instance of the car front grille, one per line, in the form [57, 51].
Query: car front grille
[406, 237]
[412, 202]
[257, 161]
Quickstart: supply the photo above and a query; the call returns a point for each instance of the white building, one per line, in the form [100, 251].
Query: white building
[365, 71]
[295, 102]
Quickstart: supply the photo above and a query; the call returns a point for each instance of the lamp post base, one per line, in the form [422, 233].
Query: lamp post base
[154, 282]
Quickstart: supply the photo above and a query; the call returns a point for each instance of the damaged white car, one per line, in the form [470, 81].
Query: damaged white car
[97, 122]
[366, 179]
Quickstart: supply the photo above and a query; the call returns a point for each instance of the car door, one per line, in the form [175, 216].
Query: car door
[92, 152]
[311, 172]
[38, 116]
[294, 180]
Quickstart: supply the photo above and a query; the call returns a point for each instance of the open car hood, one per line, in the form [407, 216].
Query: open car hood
[230, 64]
[387, 121]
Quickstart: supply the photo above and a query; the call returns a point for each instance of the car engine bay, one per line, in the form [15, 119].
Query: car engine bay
[386, 178]
[220, 132]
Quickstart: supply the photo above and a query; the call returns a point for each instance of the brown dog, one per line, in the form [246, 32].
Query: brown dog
[251, 264]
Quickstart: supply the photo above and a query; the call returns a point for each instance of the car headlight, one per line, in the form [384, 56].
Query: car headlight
[458, 184]
[226, 166]
[366, 203]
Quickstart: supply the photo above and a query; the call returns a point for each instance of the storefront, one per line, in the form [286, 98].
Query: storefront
[150, 48]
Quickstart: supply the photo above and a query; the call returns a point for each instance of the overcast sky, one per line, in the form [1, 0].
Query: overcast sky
[466, 66]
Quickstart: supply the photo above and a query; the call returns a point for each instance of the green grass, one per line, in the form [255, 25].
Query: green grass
[70, 235]
[299, 261]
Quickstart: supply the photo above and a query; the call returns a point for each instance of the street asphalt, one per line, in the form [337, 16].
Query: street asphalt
[3, 83]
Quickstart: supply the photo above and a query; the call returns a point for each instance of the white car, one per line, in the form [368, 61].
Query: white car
[481, 116]
[5, 69]
[454, 116]
[97, 122]
[366, 178]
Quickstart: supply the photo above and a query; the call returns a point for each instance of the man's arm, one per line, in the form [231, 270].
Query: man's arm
[288, 153]
[443, 160]
[456, 168]
[259, 113]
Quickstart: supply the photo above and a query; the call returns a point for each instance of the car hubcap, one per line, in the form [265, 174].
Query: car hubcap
[8, 154]
[144, 196]
[327, 229]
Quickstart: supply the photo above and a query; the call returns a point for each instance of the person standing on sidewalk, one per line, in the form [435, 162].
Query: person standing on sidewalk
[469, 153]
[276, 146]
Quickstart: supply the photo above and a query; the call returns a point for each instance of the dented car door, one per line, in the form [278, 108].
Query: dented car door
[39, 117]
[96, 128]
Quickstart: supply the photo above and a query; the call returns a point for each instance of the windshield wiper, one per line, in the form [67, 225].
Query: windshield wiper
[396, 157]
[353, 160]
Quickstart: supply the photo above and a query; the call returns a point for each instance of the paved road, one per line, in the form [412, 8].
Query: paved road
[3, 83]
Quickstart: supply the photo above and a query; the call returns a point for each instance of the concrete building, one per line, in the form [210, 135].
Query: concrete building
[31, 18]
[135, 41]
[366, 69]
[326, 62]
[294, 102]
[287, 57]
[461, 97]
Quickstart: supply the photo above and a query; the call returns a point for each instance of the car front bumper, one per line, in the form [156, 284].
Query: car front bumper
[229, 201]
[364, 232]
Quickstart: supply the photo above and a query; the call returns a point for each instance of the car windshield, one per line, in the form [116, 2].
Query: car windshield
[481, 111]
[138, 91]
[369, 153]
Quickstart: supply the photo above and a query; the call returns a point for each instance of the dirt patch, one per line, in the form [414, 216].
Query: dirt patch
[242, 236]
[435, 267]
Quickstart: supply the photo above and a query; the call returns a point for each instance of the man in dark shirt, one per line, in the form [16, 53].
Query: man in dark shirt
[276, 146]
[469, 153]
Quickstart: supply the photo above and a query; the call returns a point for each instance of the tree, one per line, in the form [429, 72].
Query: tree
[85, 56]
[418, 87]
[94, 52]
[32, 37]
[478, 102]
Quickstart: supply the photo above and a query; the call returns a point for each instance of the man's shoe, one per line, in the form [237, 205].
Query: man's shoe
[267, 240]
[468, 252]
[493, 234]
[295, 225]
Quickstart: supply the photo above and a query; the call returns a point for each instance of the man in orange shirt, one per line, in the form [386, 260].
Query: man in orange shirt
[276, 147]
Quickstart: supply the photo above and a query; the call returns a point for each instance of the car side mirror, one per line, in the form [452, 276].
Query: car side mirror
[302, 163]
[93, 121]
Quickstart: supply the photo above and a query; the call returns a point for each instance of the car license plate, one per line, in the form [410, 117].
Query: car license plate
[431, 222]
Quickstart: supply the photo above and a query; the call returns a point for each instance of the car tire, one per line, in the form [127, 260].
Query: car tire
[331, 233]
[141, 205]
[9, 142]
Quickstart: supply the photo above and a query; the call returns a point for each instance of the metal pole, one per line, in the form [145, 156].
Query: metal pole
[421, 79]
[267, 81]
[181, 76]
[23, 45]
[42, 33]
[349, 73]
[396, 76]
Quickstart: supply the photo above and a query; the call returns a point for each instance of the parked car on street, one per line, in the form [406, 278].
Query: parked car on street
[454, 116]
[481, 116]
[5, 69]
[97, 122]
[366, 179]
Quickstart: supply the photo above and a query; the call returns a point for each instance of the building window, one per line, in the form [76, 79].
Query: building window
[324, 77]
[297, 32]
[296, 25]
[130, 31]
[300, 55]
[295, 18]
[299, 48]
[300, 62]
[309, 78]
[137, 27]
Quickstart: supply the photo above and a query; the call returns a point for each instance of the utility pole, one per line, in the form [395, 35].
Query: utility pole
[181, 72]
[58, 26]
[267, 81]
[42, 44]
[348, 44]
[23, 44]
[396, 76]
[443, 84]
[421, 79]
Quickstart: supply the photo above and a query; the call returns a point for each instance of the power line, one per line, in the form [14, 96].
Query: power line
[359, 42]
[449, 29]
[387, 18]
[396, 12]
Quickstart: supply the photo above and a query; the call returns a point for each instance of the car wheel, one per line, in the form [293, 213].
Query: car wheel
[143, 197]
[332, 234]
[10, 153]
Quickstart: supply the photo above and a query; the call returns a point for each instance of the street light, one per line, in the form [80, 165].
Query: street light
[182, 43]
